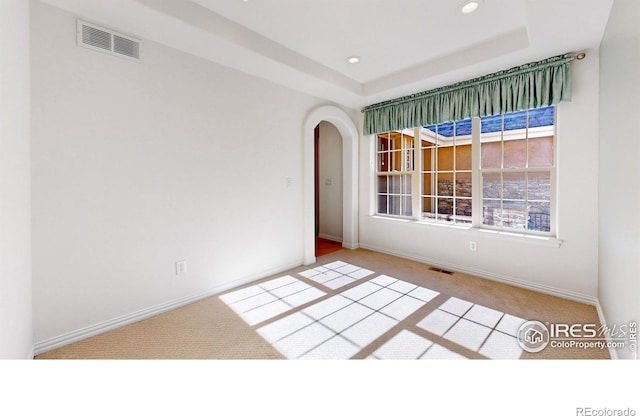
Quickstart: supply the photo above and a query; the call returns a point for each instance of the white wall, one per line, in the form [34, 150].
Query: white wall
[137, 165]
[15, 229]
[569, 271]
[619, 222]
[330, 183]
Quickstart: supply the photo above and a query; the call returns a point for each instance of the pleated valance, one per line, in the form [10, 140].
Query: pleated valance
[533, 85]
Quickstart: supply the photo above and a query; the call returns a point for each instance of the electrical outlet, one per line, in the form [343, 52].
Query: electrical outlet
[181, 267]
[473, 246]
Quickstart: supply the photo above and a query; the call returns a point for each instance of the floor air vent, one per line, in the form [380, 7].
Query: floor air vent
[435, 269]
[104, 40]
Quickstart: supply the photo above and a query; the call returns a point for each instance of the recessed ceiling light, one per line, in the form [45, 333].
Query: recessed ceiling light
[353, 59]
[469, 7]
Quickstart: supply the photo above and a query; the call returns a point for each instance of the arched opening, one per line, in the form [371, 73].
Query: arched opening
[349, 133]
[328, 188]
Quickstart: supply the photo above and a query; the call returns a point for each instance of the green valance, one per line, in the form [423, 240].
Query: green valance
[533, 85]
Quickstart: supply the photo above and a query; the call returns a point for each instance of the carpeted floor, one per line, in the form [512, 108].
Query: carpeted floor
[225, 327]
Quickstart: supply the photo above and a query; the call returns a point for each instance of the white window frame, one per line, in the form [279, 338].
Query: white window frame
[477, 211]
[436, 171]
[409, 162]
[478, 171]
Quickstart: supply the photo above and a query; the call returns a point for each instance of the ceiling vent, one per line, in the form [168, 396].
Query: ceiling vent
[104, 40]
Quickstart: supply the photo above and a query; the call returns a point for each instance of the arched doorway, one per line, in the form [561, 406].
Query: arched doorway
[328, 188]
[349, 133]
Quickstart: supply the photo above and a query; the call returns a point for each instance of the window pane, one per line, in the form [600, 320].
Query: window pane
[396, 140]
[428, 207]
[394, 204]
[541, 117]
[540, 151]
[406, 184]
[382, 204]
[491, 124]
[407, 160]
[445, 208]
[430, 130]
[383, 142]
[395, 186]
[514, 215]
[514, 154]
[463, 128]
[426, 184]
[383, 184]
[491, 185]
[426, 159]
[515, 121]
[491, 155]
[491, 212]
[463, 184]
[396, 160]
[406, 206]
[463, 209]
[383, 162]
[463, 157]
[445, 184]
[445, 158]
[539, 217]
[539, 186]
[445, 130]
[514, 185]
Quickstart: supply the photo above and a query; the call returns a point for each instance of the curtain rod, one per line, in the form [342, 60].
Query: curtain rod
[576, 56]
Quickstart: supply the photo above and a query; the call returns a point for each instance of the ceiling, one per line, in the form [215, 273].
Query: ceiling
[405, 46]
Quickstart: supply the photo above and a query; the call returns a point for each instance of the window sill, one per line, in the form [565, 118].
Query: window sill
[539, 240]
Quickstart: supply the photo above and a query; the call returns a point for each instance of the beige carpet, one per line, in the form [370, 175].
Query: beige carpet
[209, 329]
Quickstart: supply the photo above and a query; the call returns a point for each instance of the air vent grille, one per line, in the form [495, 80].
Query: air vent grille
[96, 37]
[436, 269]
[126, 47]
[107, 41]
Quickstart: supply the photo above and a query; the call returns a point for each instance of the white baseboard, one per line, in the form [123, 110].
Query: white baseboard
[353, 246]
[330, 237]
[547, 290]
[111, 324]
[349, 246]
[612, 351]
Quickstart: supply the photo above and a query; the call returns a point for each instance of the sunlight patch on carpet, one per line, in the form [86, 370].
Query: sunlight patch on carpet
[340, 324]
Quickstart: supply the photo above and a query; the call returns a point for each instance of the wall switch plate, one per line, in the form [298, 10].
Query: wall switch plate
[473, 246]
[181, 267]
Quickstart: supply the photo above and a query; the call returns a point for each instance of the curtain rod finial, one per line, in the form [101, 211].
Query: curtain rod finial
[580, 56]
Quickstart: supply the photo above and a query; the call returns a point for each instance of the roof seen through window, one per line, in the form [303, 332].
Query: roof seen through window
[538, 117]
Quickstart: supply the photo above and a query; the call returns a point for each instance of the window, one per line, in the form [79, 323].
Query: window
[395, 168]
[446, 172]
[517, 169]
[493, 172]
